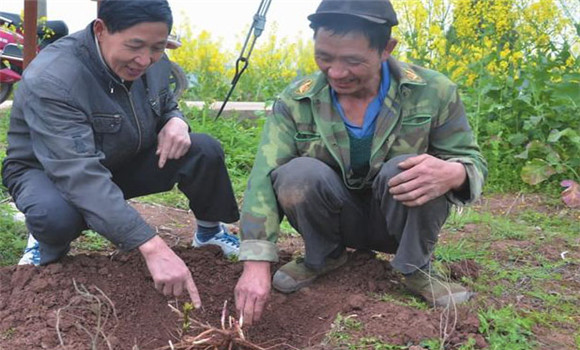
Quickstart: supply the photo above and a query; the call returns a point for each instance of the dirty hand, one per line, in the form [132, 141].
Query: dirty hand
[173, 140]
[170, 274]
[424, 178]
[253, 290]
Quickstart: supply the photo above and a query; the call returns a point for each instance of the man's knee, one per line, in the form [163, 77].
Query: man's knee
[53, 223]
[391, 168]
[301, 178]
[207, 147]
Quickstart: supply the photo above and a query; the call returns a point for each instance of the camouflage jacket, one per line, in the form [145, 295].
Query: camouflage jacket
[422, 113]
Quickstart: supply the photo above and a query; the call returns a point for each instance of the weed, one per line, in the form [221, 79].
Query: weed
[505, 329]
[432, 344]
[457, 251]
[406, 300]
[339, 330]
[8, 333]
[13, 235]
[459, 217]
[470, 345]
[375, 344]
[91, 241]
[187, 310]
[502, 228]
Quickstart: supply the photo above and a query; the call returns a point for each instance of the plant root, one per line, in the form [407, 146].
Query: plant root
[230, 337]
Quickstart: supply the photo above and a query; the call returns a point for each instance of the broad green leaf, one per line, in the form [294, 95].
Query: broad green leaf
[536, 119]
[523, 155]
[571, 195]
[517, 139]
[552, 156]
[533, 148]
[556, 135]
[536, 171]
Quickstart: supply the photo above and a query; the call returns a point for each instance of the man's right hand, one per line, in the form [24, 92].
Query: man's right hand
[170, 274]
[253, 290]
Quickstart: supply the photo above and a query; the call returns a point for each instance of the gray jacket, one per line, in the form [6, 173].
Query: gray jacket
[75, 120]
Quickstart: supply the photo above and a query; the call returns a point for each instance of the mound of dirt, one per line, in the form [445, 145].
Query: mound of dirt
[110, 301]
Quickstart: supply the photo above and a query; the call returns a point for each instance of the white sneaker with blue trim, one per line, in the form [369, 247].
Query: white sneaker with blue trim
[229, 243]
[31, 254]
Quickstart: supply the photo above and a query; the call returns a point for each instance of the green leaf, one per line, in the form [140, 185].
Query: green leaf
[554, 136]
[523, 155]
[553, 157]
[517, 139]
[536, 171]
[570, 134]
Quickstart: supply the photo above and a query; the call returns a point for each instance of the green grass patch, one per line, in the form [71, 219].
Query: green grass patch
[458, 218]
[457, 251]
[92, 241]
[505, 329]
[341, 328]
[13, 236]
[406, 300]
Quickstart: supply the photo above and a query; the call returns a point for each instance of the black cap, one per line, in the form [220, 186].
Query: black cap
[376, 11]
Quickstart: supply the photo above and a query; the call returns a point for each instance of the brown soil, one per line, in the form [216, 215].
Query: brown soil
[114, 300]
[109, 300]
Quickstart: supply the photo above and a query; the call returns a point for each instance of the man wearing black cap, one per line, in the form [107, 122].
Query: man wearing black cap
[368, 153]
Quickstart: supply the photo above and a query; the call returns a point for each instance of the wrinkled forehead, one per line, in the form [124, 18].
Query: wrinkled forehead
[352, 38]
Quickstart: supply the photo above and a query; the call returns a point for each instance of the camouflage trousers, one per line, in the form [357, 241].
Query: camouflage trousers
[331, 217]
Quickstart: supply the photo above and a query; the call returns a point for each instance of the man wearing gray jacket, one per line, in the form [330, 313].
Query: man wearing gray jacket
[94, 123]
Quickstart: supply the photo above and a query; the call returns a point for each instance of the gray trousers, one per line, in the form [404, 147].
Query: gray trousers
[200, 174]
[331, 217]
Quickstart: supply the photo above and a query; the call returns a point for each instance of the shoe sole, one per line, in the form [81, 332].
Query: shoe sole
[197, 244]
[299, 285]
[295, 288]
[456, 298]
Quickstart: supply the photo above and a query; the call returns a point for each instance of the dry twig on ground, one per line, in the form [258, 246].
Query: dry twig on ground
[101, 308]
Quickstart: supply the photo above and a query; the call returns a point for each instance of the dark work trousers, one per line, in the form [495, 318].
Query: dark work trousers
[200, 174]
[330, 217]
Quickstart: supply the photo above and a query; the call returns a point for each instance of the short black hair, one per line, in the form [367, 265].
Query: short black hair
[119, 15]
[377, 34]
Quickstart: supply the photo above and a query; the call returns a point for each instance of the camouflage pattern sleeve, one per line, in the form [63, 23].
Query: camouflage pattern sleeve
[260, 220]
[452, 139]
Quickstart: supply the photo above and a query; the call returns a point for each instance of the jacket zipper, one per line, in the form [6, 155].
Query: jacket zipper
[134, 117]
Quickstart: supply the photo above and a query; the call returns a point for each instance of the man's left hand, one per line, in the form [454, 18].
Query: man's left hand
[173, 140]
[424, 178]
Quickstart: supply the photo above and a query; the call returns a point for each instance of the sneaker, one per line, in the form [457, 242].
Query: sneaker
[296, 275]
[229, 243]
[435, 290]
[31, 254]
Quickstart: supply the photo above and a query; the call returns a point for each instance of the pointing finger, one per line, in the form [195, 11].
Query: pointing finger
[193, 293]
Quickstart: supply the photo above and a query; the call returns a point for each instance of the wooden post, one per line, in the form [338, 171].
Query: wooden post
[30, 41]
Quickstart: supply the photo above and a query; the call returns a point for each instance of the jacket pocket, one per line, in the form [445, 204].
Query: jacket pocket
[310, 144]
[106, 129]
[416, 120]
[107, 124]
[305, 136]
[413, 137]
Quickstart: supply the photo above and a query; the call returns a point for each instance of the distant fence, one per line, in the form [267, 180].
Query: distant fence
[244, 109]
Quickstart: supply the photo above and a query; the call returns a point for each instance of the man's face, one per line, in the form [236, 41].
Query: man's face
[350, 65]
[129, 52]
